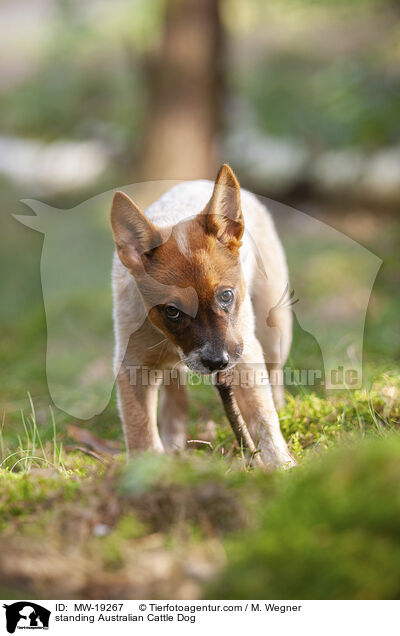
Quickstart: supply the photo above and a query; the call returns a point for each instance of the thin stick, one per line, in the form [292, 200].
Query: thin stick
[235, 418]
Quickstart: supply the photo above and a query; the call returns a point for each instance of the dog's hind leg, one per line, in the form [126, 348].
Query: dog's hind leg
[173, 415]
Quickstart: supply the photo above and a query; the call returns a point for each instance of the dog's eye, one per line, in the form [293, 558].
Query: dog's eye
[226, 297]
[172, 312]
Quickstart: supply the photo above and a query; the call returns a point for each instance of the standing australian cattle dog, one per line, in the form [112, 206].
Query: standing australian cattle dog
[197, 280]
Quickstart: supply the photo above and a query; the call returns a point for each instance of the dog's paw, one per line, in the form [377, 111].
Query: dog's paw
[275, 458]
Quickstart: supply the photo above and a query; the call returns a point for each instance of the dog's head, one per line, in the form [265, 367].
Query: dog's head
[189, 274]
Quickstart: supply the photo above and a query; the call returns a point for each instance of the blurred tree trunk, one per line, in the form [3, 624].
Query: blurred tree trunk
[184, 92]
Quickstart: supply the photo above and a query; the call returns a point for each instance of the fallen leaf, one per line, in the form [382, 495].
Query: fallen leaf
[83, 436]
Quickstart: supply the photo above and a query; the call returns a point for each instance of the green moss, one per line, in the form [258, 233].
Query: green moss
[20, 493]
[110, 548]
[314, 423]
[330, 531]
[129, 527]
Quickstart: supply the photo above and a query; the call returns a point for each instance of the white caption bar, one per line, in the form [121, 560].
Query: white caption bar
[166, 617]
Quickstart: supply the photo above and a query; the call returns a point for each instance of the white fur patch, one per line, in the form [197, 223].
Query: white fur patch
[182, 239]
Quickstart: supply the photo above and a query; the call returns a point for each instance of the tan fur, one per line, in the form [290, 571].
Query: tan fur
[184, 251]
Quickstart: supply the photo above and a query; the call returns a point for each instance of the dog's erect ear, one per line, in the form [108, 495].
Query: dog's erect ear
[223, 214]
[134, 234]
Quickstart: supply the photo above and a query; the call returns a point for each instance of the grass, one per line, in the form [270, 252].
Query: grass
[311, 422]
[31, 449]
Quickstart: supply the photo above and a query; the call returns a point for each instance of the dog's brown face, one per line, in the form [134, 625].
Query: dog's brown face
[190, 275]
[204, 288]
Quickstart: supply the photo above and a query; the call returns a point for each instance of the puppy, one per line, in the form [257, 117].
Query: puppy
[198, 282]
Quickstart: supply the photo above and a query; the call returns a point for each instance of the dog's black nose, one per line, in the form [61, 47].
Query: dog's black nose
[215, 361]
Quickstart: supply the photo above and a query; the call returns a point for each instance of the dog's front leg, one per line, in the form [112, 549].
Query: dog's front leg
[254, 396]
[137, 399]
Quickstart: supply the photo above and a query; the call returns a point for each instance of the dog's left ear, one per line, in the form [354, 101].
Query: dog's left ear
[223, 215]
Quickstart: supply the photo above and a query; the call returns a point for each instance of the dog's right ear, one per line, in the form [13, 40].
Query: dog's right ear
[134, 234]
